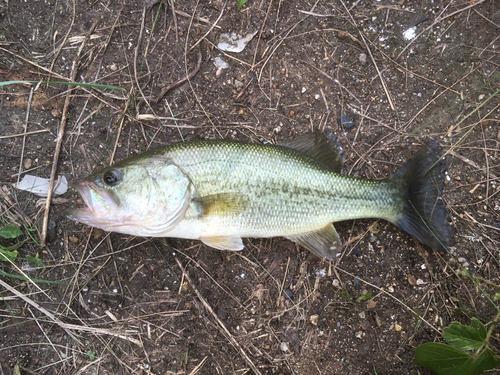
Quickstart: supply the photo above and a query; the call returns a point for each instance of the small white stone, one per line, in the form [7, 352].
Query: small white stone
[284, 346]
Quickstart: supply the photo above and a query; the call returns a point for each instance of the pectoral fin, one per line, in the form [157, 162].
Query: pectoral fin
[221, 204]
[223, 242]
[324, 242]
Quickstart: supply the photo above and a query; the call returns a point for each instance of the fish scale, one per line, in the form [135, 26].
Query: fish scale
[291, 193]
[220, 191]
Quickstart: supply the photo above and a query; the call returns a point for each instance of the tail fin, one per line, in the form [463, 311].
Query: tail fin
[424, 215]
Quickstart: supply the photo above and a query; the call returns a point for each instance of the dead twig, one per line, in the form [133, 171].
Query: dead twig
[211, 28]
[228, 335]
[24, 138]
[373, 60]
[182, 80]
[60, 134]
[24, 134]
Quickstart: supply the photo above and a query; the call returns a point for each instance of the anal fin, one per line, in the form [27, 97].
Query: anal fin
[223, 242]
[324, 242]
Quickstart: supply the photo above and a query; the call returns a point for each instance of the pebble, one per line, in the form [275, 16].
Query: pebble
[97, 234]
[335, 283]
[288, 293]
[359, 334]
[28, 163]
[371, 304]
[378, 320]
[341, 34]
[56, 113]
[73, 239]
[314, 319]
[357, 252]
[397, 327]
[362, 58]
[346, 122]
[355, 282]
[365, 324]
[485, 122]
[362, 315]
[412, 280]
[284, 346]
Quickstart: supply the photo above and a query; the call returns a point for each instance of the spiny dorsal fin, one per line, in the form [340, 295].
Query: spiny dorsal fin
[221, 204]
[318, 147]
[324, 242]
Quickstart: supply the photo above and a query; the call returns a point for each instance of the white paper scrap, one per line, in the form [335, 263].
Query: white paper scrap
[234, 42]
[40, 186]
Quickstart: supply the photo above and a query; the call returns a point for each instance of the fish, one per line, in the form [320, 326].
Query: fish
[221, 191]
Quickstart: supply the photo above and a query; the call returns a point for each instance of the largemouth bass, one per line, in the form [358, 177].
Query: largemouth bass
[222, 191]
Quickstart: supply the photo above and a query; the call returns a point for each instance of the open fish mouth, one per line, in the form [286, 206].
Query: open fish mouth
[98, 203]
[84, 191]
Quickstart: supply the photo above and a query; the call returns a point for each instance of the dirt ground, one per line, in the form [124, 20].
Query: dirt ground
[108, 303]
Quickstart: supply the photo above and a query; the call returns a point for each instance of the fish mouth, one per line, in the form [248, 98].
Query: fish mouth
[99, 203]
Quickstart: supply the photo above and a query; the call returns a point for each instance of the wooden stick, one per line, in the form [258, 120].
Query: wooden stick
[60, 135]
[224, 329]
[23, 134]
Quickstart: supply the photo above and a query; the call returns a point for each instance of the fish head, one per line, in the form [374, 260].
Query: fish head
[142, 198]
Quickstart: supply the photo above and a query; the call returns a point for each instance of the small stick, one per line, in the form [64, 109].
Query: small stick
[201, 19]
[211, 27]
[182, 80]
[41, 309]
[64, 40]
[373, 61]
[283, 283]
[24, 138]
[23, 134]
[172, 5]
[60, 135]
[224, 329]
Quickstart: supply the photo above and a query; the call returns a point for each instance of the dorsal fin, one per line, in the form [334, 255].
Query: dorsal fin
[318, 147]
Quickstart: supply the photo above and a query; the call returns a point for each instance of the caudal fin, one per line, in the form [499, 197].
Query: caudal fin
[424, 215]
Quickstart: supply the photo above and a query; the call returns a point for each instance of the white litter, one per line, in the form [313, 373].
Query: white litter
[220, 64]
[410, 33]
[40, 186]
[234, 42]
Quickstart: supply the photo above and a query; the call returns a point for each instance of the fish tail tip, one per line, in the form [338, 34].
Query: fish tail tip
[424, 214]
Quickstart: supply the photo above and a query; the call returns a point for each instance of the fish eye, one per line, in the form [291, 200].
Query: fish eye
[111, 177]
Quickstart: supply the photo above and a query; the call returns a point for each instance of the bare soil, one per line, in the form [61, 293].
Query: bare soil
[124, 305]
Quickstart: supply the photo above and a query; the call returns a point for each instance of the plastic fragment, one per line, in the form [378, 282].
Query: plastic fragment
[234, 42]
[346, 122]
[40, 186]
